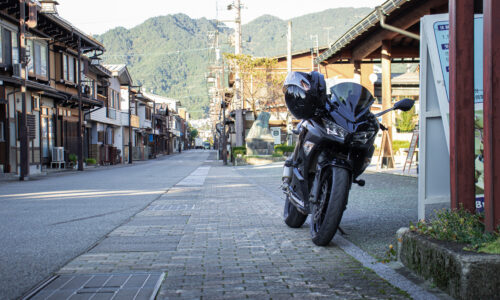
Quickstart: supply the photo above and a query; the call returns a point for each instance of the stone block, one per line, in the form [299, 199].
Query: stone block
[462, 274]
[260, 146]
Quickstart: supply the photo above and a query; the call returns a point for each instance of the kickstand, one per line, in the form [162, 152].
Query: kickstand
[342, 231]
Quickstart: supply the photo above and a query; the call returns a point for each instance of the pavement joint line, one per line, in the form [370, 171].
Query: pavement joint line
[382, 270]
[95, 216]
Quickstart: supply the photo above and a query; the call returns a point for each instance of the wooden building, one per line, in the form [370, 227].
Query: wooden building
[52, 102]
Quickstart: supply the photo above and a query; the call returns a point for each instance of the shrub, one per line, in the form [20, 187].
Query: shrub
[491, 247]
[456, 225]
[239, 150]
[406, 121]
[282, 149]
[397, 144]
[73, 158]
[91, 161]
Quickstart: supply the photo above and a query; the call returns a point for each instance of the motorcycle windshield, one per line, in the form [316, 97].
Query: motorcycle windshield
[353, 101]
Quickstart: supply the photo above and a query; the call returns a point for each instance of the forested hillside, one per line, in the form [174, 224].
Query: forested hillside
[169, 55]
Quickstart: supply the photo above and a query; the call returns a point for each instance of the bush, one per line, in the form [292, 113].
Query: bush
[491, 247]
[73, 158]
[456, 225]
[239, 150]
[280, 150]
[91, 161]
[406, 121]
[396, 145]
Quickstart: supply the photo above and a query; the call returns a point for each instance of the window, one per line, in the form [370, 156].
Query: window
[111, 100]
[71, 69]
[117, 99]
[65, 67]
[35, 103]
[6, 46]
[31, 62]
[43, 61]
[15, 48]
[9, 46]
[38, 60]
[148, 113]
[37, 65]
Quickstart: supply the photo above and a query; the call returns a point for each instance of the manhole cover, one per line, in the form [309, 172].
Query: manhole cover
[101, 286]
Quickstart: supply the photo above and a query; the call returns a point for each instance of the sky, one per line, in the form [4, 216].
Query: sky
[98, 16]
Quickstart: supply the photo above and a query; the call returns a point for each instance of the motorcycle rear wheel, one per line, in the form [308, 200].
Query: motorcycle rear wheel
[326, 215]
[293, 218]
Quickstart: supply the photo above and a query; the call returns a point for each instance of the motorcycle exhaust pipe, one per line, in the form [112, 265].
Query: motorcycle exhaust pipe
[287, 172]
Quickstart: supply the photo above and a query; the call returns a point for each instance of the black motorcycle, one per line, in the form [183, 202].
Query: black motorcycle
[334, 147]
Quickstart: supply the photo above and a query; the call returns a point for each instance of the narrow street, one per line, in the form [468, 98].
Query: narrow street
[46, 222]
[199, 228]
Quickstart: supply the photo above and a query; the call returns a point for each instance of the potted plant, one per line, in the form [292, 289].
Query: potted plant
[73, 159]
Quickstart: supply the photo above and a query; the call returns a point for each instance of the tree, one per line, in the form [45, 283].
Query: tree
[261, 83]
[194, 134]
[406, 121]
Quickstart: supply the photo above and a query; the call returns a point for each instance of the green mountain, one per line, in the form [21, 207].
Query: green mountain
[267, 35]
[170, 55]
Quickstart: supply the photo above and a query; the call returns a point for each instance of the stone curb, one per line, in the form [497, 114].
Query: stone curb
[461, 274]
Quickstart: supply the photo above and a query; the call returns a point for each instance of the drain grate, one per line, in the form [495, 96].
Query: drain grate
[135, 286]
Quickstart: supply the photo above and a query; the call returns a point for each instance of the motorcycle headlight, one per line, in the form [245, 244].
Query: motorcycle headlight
[362, 137]
[333, 129]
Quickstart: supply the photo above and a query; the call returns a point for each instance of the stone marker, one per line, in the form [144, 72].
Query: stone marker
[259, 139]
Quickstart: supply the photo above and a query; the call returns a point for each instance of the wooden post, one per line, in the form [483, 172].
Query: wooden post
[491, 77]
[386, 146]
[462, 169]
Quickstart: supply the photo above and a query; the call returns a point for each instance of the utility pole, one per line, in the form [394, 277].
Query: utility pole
[289, 48]
[80, 131]
[289, 70]
[129, 126]
[23, 136]
[238, 84]
[223, 105]
[314, 49]
[328, 33]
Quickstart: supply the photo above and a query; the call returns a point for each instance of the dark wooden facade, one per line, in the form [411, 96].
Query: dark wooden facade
[52, 86]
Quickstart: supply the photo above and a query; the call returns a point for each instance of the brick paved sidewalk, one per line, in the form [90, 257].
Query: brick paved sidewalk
[226, 239]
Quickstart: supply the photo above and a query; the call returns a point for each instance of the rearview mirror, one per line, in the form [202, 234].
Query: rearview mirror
[404, 105]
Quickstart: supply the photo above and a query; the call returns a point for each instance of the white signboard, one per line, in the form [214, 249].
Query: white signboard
[434, 179]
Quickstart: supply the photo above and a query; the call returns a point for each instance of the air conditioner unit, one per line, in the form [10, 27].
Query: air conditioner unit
[16, 70]
[58, 154]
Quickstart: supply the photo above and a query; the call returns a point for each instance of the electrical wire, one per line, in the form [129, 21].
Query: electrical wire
[156, 54]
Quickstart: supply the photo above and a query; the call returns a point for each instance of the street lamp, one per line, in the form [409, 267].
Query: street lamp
[49, 6]
[130, 160]
[95, 59]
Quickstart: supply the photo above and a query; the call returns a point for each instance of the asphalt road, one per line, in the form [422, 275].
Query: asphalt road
[46, 222]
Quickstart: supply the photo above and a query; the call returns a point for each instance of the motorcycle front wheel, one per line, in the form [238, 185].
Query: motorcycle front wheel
[293, 218]
[332, 200]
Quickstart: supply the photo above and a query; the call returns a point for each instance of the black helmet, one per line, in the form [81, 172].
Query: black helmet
[305, 94]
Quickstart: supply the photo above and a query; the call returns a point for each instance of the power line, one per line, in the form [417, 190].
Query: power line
[156, 54]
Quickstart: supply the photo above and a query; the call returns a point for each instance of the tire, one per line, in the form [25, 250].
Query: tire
[332, 197]
[293, 218]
